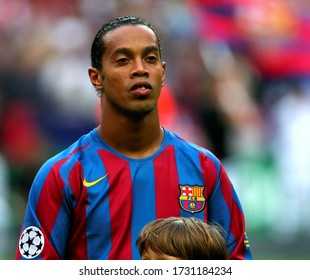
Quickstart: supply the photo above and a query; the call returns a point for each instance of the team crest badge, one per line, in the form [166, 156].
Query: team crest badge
[192, 198]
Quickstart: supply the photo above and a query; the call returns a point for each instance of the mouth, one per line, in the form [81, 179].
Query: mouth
[141, 88]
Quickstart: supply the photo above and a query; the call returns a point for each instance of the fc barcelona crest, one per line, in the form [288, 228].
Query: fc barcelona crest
[192, 198]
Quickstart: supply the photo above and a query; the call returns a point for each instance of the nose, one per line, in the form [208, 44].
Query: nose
[139, 70]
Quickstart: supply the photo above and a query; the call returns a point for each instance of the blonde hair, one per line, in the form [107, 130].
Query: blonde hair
[186, 238]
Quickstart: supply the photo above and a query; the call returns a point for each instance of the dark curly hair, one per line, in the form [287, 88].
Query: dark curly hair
[98, 47]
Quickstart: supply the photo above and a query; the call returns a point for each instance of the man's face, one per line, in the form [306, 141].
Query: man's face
[132, 72]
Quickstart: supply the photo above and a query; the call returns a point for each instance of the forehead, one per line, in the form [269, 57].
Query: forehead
[130, 36]
[149, 254]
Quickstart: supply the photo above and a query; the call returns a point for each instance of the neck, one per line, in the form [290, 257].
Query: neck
[134, 138]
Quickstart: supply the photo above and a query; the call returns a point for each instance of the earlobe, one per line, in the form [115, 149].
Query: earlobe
[95, 78]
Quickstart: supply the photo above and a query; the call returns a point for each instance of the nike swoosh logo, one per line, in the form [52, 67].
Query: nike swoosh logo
[90, 184]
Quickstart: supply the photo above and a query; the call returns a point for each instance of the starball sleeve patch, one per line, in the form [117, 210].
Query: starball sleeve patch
[192, 198]
[31, 242]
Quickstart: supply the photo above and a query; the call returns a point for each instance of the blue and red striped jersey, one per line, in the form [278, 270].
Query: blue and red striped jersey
[91, 202]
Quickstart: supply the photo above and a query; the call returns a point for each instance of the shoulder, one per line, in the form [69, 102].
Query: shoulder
[67, 158]
[186, 151]
[181, 143]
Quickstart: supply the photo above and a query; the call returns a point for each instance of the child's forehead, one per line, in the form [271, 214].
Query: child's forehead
[149, 254]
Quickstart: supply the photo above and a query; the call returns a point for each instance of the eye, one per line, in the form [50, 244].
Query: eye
[122, 60]
[151, 58]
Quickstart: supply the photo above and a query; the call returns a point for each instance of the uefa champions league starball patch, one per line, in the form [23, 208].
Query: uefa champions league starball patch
[31, 242]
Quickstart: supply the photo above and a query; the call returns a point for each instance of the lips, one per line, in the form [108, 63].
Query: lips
[141, 88]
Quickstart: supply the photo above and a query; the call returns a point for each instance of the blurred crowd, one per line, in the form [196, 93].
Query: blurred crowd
[238, 83]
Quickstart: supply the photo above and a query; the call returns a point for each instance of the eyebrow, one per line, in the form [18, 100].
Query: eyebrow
[128, 51]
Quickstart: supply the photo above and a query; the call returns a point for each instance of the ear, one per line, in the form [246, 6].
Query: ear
[163, 73]
[95, 78]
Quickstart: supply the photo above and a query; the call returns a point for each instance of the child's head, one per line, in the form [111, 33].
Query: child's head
[181, 238]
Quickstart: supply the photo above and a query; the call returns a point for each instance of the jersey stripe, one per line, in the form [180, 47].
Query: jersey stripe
[98, 207]
[78, 239]
[143, 208]
[120, 193]
[166, 184]
[237, 223]
[189, 173]
[48, 212]
[209, 178]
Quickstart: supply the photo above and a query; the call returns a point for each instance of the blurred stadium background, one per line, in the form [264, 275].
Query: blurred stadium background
[238, 83]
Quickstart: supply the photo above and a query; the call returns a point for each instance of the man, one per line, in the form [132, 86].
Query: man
[91, 200]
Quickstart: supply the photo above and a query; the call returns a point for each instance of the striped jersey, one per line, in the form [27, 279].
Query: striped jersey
[91, 202]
